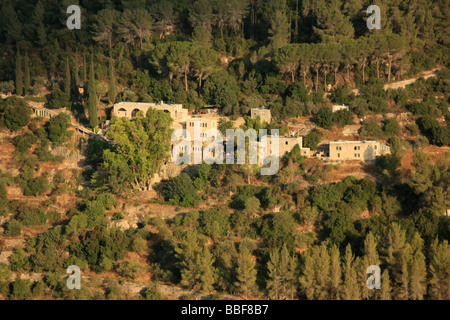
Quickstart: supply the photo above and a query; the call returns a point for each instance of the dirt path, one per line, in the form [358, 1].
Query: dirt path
[404, 83]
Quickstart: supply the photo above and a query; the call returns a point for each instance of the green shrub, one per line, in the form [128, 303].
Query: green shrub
[13, 228]
[391, 127]
[312, 139]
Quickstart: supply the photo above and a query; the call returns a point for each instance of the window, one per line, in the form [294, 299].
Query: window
[339, 155]
[375, 147]
[355, 147]
[340, 148]
[287, 142]
[355, 155]
[337, 148]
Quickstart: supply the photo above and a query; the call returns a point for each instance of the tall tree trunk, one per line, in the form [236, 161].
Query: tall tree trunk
[378, 68]
[363, 74]
[389, 70]
[296, 22]
[200, 82]
[185, 81]
[317, 79]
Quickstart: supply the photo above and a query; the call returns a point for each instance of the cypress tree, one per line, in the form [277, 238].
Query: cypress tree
[75, 80]
[67, 79]
[19, 75]
[246, 273]
[92, 96]
[112, 91]
[27, 76]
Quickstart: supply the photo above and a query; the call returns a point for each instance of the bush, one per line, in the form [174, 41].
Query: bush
[435, 133]
[391, 127]
[152, 293]
[13, 228]
[57, 129]
[312, 139]
[17, 113]
[118, 216]
[20, 290]
[324, 118]
[371, 129]
[343, 117]
[179, 189]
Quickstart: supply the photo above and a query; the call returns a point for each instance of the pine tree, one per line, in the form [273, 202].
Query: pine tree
[186, 254]
[92, 96]
[440, 271]
[246, 273]
[27, 76]
[335, 273]
[279, 32]
[206, 272]
[385, 291]
[392, 251]
[308, 274]
[282, 282]
[19, 75]
[402, 291]
[316, 273]
[370, 258]
[417, 270]
[288, 267]
[370, 250]
[112, 91]
[361, 276]
[275, 278]
[350, 290]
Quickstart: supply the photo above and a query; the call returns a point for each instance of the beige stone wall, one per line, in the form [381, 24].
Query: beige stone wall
[129, 109]
[264, 114]
[202, 125]
[354, 150]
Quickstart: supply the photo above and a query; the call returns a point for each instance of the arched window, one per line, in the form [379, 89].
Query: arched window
[135, 112]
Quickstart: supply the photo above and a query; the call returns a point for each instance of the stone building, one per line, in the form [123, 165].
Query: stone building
[131, 109]
[356, 150]
[263, 114]
[337, 107]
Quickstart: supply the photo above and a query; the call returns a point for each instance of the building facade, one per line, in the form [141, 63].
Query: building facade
[356, 150]
[263, 114]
